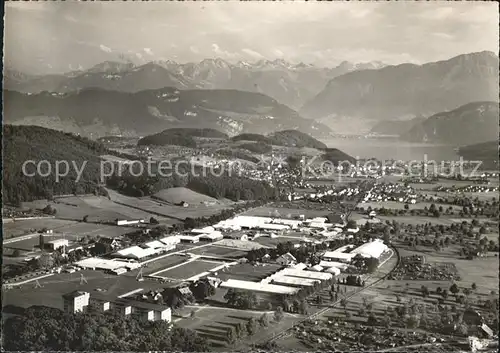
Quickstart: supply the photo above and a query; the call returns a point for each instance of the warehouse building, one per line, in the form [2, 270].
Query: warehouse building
[306, 274]
[329, 264]
[190, 239]
[213, 236]
[56, 244]
[293, 281]
[95, 263]
[136, 253]
[372, 249]
[258, 287]
[171, 240]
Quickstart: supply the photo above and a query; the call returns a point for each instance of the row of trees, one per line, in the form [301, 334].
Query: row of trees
[49, 329]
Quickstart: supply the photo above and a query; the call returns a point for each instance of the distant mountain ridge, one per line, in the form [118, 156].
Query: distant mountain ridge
[97, 112]
[407, 90]
[486, 152]
[395, 127]
[469, 124]
[290, 84]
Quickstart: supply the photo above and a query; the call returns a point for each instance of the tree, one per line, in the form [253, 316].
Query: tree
[241, 330]
[264, 320]
[474, 286]
[454, 289]
[193, 314]
[372, 320]
[278, 314]
[351, 224]
[45, 261]
[425, 291]
[252, 326]
[16, 253]
[85, 218]
[231, 335]
[153, 220]
[241, 299]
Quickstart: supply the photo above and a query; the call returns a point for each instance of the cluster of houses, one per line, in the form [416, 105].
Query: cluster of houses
[391, 192]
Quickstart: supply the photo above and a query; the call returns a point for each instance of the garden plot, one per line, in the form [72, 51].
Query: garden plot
[188, 269]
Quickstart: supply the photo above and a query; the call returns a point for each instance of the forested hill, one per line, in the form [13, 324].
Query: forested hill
[33, 143]
[180, 137]
[289, 138]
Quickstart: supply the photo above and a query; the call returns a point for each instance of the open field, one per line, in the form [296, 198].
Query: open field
[272, 242]
[18, 228]
[268, 211]
[482, 196]
[163, 263]
[62, 229]
[219, 251]
[400, 205]
[213, 322]
[189, 269]
[423, 220]
[177, 195]
[162, 209]
[97, 208]
[57, 285]
[248, 272]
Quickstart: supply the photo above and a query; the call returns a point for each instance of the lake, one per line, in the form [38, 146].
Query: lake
[392, 149]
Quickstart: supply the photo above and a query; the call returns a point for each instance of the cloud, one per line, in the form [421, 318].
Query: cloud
[222, 53]
[105, 49]
[278, 52]
[149, 51]
[194, 49]
[252, 53]
[443, 35]
[139, 55]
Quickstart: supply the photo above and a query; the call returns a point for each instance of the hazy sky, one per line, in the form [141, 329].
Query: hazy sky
[60, 36]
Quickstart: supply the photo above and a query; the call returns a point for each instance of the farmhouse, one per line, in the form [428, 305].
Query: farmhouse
[286, 259]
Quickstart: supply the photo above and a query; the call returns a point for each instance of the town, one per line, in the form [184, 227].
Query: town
[328, 257]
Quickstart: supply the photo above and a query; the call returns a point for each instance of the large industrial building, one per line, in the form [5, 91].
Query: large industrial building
[258, 287]
[78, 301]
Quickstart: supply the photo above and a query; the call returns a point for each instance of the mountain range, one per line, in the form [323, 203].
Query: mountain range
[97, 112]
[405, 91]
[290, 84]
[469, 124]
